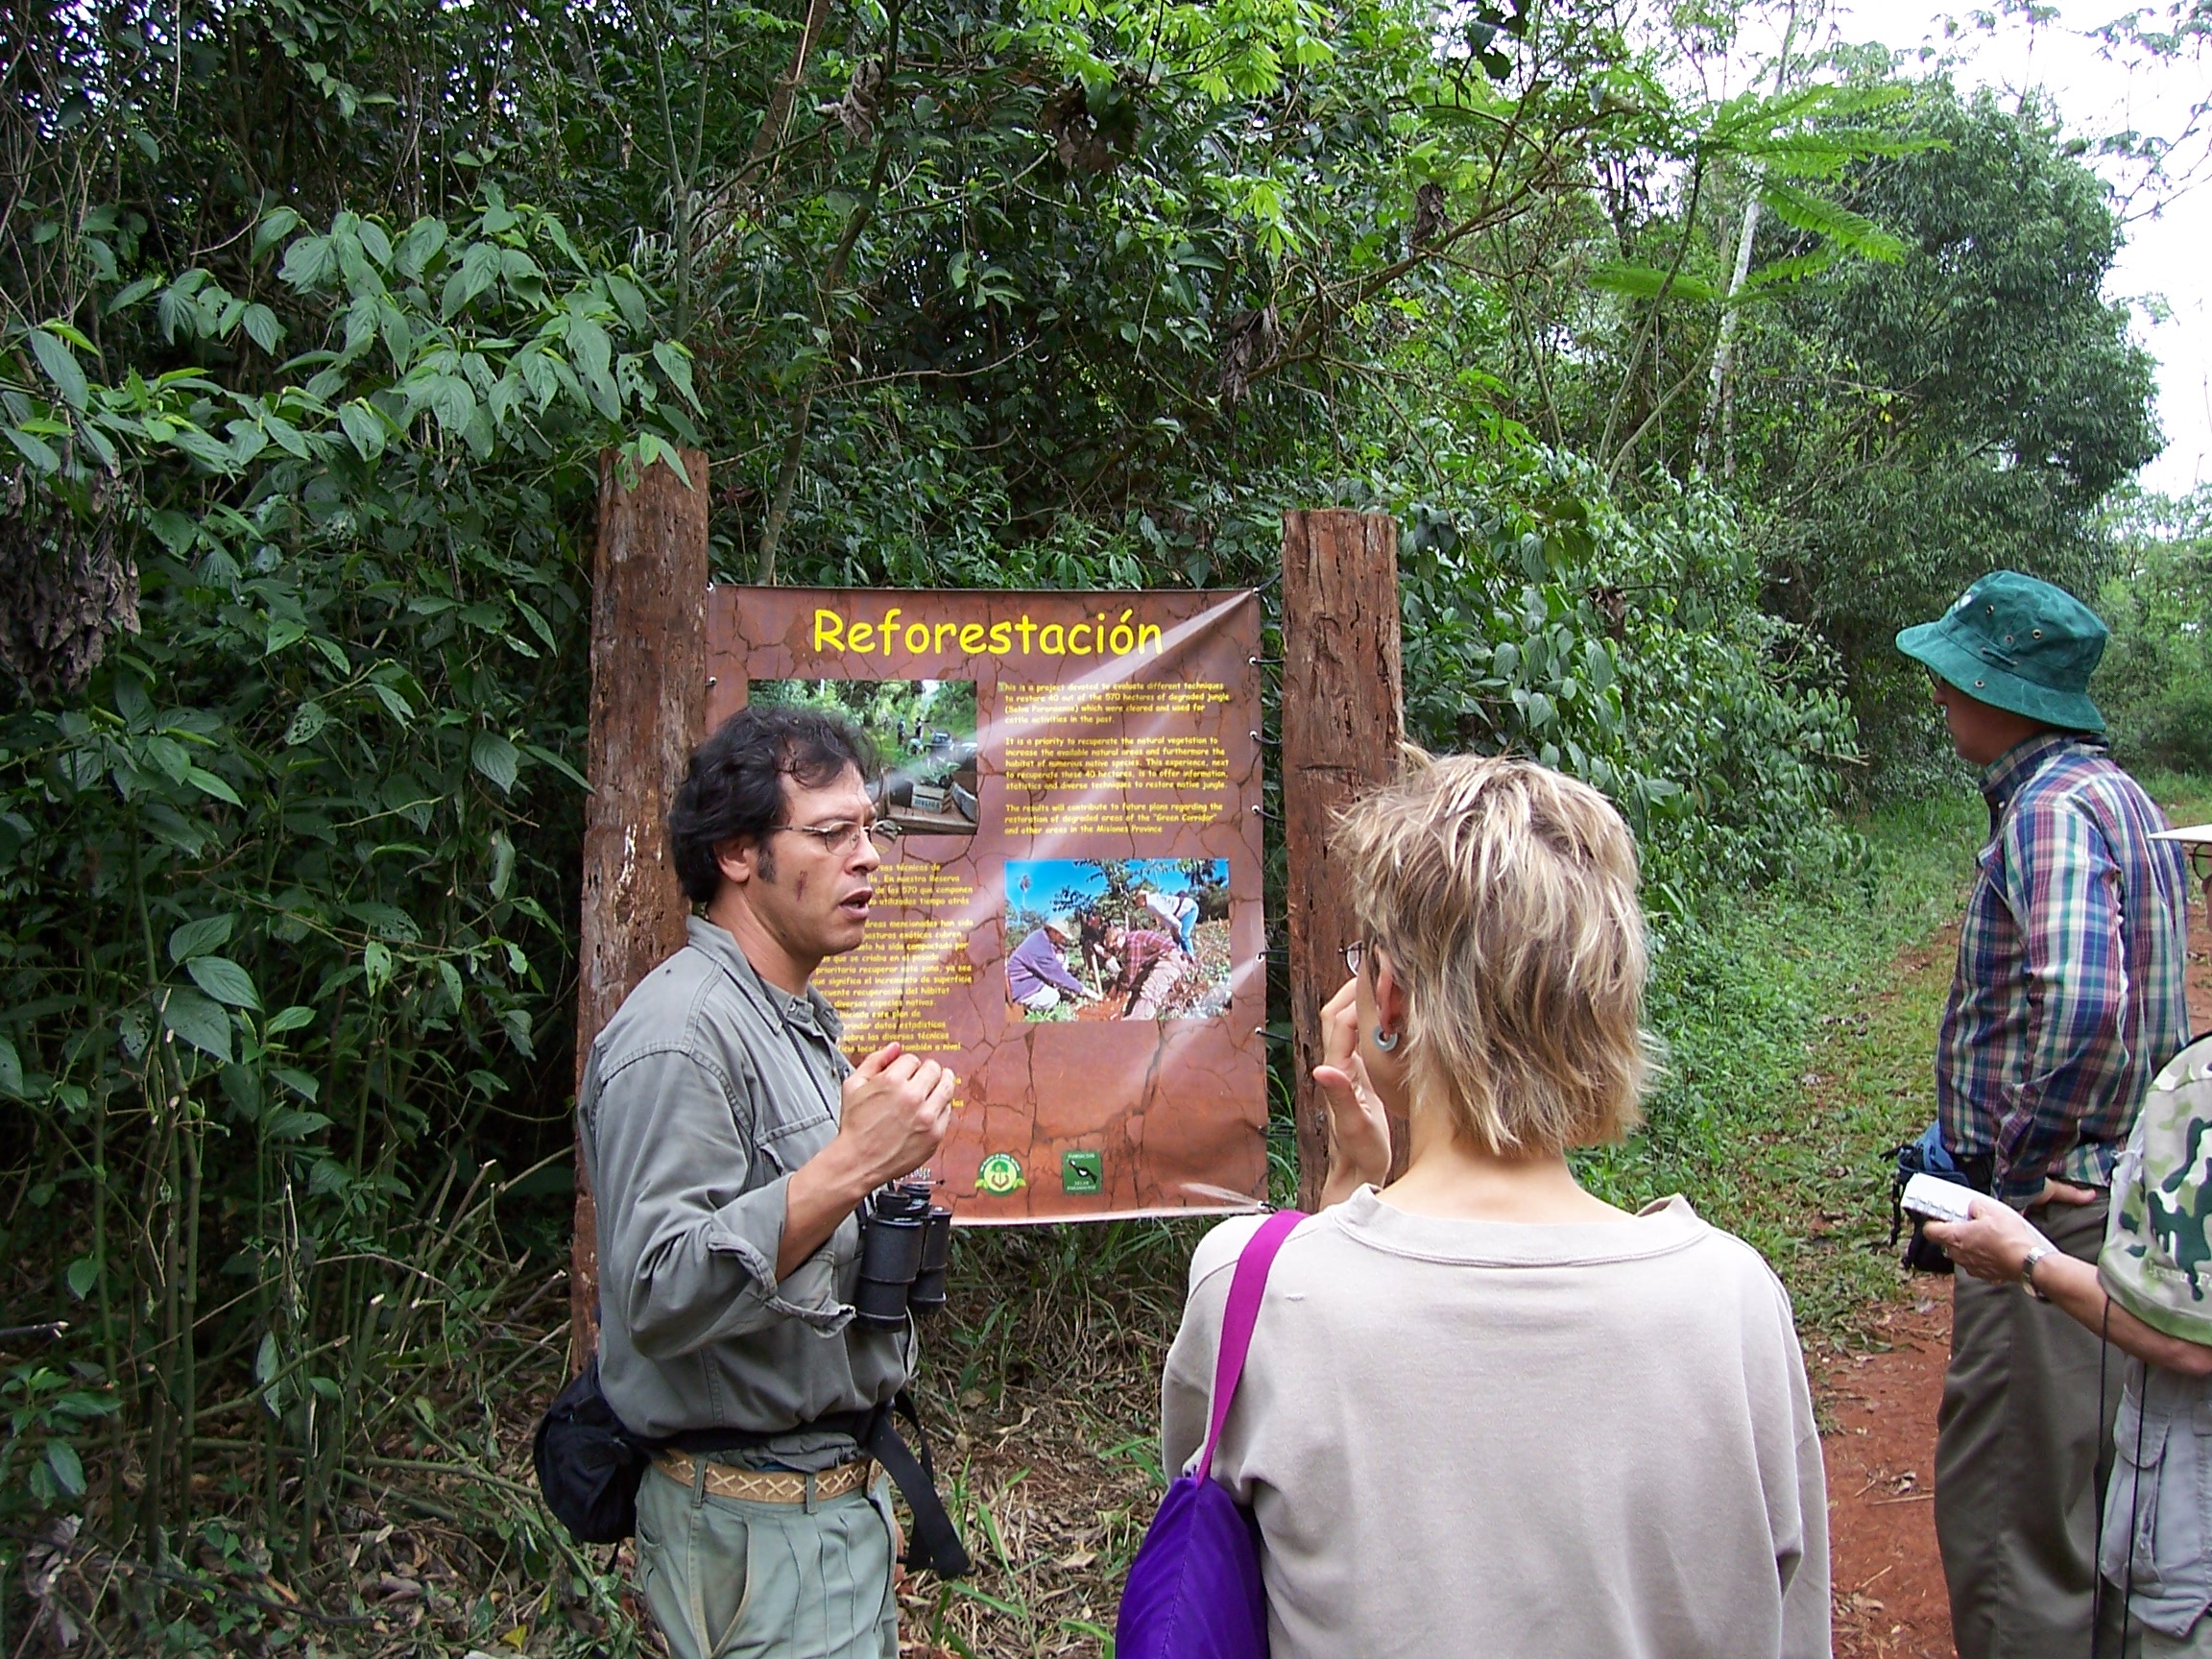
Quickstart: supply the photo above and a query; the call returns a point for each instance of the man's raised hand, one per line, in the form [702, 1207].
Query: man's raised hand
[897, 1107]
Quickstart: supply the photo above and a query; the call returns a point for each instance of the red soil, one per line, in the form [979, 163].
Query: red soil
[1890, 1599]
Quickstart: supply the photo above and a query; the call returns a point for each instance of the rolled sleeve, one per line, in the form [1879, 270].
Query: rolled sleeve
[687, 1237]
[2066, 887]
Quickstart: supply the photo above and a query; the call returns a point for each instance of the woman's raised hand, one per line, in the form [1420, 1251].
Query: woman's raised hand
[1358, 1127]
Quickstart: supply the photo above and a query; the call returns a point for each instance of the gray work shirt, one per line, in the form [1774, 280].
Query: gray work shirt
[704, 1093]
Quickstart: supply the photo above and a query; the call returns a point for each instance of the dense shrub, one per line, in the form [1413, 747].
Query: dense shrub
[1625, 642]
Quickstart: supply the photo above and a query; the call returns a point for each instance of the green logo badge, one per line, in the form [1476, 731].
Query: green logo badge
[998, 1175]
[1082, 1172]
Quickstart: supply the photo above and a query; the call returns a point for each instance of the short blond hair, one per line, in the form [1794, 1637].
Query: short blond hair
[1505, 894]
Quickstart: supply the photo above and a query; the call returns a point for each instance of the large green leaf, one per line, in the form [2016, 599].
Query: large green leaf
[1647, 282]
[224, 980]
[1850, 230]
[61, 366]
[199, 937]
[496, 758]
[198, 1020]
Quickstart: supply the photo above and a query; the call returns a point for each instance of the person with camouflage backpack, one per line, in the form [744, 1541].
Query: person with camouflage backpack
[2151, 1296]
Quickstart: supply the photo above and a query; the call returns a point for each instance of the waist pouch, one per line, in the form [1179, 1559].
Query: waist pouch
[589, 1466]
[1929, 1156]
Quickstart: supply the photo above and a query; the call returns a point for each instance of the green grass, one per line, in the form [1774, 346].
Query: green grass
[2187, 799]
[1801, 1028]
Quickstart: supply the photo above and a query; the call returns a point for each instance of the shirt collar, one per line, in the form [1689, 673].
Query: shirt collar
[2004, 777]
[810, 1013]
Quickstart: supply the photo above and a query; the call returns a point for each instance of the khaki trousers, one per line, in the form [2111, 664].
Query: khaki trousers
[727, 1580]
[2021, 1455]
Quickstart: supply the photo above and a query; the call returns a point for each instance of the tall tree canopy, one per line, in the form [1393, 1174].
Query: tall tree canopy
[1969, 406]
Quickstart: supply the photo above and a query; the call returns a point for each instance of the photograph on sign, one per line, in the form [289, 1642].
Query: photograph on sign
[923, 733]
[1144, 946]
[1071, 913]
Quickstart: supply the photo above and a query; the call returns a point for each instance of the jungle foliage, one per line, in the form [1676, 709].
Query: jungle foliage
[2155, 684]
[315, 317]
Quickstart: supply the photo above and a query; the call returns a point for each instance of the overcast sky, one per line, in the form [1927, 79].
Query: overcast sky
[2162, 271]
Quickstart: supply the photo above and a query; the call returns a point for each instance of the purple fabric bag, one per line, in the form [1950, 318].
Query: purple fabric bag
[1194, 1590]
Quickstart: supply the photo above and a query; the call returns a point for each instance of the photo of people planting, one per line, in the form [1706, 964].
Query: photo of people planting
[1117, 939]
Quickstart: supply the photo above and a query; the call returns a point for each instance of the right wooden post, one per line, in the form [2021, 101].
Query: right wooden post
[1343, 719]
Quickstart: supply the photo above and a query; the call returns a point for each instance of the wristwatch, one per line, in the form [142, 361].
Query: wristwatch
[2036, 1251]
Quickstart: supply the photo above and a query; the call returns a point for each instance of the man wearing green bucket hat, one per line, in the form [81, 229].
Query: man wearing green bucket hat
[2067, 999]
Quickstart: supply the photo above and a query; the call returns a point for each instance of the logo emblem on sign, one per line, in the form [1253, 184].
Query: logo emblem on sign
[998, 1174]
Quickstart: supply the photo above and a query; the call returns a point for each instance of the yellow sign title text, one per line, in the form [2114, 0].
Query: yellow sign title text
[1098, 637]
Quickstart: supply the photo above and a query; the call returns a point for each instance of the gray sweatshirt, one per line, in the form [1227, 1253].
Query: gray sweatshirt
[1589, 1442]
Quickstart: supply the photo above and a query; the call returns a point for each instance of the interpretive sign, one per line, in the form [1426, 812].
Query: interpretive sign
[1071, 916]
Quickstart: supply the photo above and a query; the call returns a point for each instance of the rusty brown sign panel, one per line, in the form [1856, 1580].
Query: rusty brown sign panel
[1071, 917]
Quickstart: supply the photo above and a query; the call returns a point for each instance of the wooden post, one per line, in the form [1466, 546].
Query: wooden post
[648, 699]
[1342, 721]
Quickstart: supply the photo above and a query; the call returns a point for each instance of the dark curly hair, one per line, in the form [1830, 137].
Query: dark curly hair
[734, 788]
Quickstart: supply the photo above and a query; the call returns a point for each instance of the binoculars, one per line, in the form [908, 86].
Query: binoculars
[905, 1241]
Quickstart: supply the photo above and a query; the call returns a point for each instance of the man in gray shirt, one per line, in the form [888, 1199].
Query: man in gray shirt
[729, 1142]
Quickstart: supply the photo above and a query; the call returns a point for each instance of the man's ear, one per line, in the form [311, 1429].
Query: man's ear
[737, 861]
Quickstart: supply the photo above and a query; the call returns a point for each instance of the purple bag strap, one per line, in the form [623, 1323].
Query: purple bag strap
[1245, 1290]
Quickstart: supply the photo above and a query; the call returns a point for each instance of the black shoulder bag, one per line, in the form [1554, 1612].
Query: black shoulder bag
[589, 1466]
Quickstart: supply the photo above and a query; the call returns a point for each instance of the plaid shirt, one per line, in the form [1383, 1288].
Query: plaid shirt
[1141, 950]
[2069, 992]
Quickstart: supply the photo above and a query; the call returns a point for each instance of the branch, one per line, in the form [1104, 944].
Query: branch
[777, 117]
[1658, 304]
[832, 274]
[1652, 419]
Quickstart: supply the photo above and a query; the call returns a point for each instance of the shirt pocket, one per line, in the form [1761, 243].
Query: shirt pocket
[794, 1122]
[2156, 1508]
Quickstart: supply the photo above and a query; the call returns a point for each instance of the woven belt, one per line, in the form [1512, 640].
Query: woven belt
[768, 1485]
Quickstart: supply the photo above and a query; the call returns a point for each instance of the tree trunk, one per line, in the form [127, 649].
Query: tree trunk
[648, 699]
[1719, 403]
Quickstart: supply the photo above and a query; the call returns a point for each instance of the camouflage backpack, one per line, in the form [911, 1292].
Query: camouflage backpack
[2157, 1256]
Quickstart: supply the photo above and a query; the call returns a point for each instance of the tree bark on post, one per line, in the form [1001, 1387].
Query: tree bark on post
[1342, 722]
[648, 699]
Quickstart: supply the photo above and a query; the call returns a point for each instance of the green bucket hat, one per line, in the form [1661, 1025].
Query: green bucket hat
[2019, 644]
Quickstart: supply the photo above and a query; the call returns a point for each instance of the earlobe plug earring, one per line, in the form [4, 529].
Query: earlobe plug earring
[1386, 1040]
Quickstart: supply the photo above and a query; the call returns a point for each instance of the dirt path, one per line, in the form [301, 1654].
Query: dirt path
[1881, 1452]
[1889, 1601]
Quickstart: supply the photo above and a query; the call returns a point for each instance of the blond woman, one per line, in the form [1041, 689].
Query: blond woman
[1486, 1413]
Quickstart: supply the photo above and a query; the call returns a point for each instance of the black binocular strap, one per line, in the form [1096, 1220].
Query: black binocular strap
[936, 1541]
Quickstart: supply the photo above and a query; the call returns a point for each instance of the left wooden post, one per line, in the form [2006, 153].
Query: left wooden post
[648, 702]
